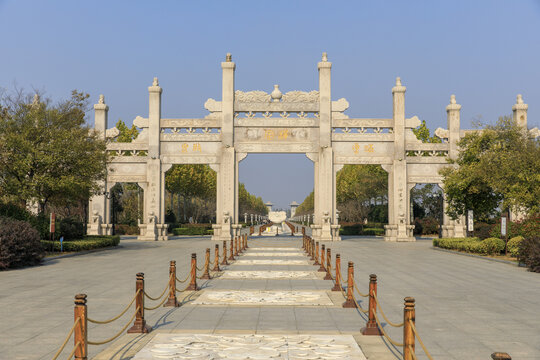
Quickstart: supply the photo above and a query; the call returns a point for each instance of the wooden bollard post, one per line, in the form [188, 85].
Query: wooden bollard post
[321, 268]
[193, 283]
[224, 261]
[236, 246]
[231, 257]
[371, 326]
[172, 301]
[337, 285]
[328, 265]
[500, 356]
[206, 274]
[308, 246]
[139, 325]
[316, 254]
[409, 316]
[350, 303]
[312, 248]
[247, 237]
[216, 258]
[260, 230]
[80, 334]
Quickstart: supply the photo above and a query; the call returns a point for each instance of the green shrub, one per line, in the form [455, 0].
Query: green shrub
[125, 229]
[483, 230]
[513, 245]
[191, 230]
[462, 244]
[426, 226]
[529, 253]
[69, 228]
[493, 246]
[87, 243]
[373, 231]
[19, 244]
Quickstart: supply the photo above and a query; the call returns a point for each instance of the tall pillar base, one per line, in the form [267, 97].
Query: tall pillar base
[335, 232]
[399, 233]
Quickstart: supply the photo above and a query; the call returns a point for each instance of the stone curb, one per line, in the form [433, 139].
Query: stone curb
[479, 257]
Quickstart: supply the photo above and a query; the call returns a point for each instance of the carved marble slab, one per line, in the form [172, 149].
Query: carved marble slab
[252, 347]
[269, 275]
[264, 298]
[271, 262]
[274, 249]
[273, 254]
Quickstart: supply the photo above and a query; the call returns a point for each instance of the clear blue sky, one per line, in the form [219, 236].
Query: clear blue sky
[485, 52]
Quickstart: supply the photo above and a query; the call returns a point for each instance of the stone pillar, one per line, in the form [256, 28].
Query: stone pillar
[98, 204]
[154, 216]
[448, 223]
[219, 213]
[324, 209]
[453, 228]
[399, 229]
[519, 112]
[227, 198]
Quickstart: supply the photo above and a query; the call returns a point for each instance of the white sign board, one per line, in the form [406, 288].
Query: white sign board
[503, 226]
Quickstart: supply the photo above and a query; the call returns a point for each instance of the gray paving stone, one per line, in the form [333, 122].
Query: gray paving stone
[465, 307]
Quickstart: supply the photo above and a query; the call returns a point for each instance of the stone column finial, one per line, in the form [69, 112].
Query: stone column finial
[519, 112]
[324, 56]
[228, 57]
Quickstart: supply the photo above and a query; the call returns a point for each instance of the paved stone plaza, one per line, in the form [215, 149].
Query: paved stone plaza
[466, 308]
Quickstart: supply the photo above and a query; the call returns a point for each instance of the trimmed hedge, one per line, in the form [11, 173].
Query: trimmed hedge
[371, 229]
[513, 245]
[86, 243]
[489, 246]
[19, 244]
[193, 231]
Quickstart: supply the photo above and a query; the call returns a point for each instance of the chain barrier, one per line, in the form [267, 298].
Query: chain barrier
[118, 334]
[158, 305]
[67, 339]
[159, 297]
[204, 266]
[420, 340]
[412, 352]
[356, 288]
[183, 281]
[73, 351]
[392, 341]
[384, 316]
[118, 316]
[356, 302]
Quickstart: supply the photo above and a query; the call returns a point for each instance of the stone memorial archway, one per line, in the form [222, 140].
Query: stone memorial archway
[292, 122]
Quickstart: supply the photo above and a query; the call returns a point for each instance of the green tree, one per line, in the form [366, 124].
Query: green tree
[48, 155]
[126, 134]
[307, 206]
[496, 167]
[423, 134]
